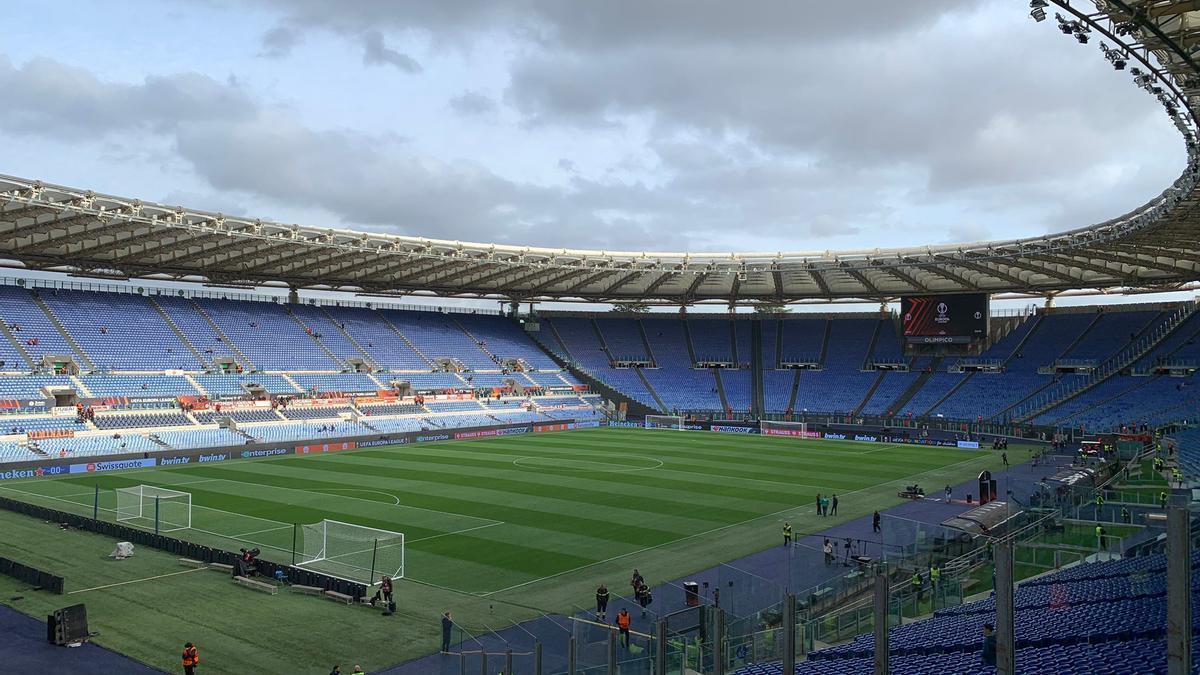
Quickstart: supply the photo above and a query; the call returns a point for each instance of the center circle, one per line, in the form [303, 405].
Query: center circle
[616, 462]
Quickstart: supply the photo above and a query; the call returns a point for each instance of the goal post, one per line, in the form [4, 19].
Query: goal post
[780, 428]
[664, 422]
[352, 552]
[156, 508]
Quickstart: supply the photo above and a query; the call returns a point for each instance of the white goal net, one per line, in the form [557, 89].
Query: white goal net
[777, 428]
[664, 422]
[156, 508]
[352, 552]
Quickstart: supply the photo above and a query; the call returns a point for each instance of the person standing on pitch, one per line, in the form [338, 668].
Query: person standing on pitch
[447, 629]
[191, 659]
[875, 522]
[949, 490]
[833, 506]
[602, 602]
[787, 533]
[819, 504]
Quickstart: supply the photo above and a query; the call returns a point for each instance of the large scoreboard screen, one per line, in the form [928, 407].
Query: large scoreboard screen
[942, 319]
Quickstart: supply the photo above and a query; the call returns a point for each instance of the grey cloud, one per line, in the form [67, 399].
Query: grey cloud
[280, 41]
[964, 232]
[377, 53]
[45, 96]
[767, 124]
[472, 103]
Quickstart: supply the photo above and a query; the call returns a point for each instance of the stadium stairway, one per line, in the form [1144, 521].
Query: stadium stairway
[604, 344]
[248, 364]
[721, 390]
[650, 388]
[63, 330]
[757, 386]
[341, 327]
[870, 392]
[898, 404]
[948, 394]
[178, 332]
[687, 338]
[562, 358]
[646, 342]
[795, 390]
[866, 362]
[478, 343]
[314, 334]
[404, 339]
[825, 342]
[20, 348]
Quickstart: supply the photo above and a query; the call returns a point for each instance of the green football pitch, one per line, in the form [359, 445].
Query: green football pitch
[492, 516]
[530, 523]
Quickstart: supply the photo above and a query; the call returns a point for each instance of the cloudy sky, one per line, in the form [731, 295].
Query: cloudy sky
[694, 125]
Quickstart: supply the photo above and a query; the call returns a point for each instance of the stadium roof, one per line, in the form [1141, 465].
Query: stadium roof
[50, 227]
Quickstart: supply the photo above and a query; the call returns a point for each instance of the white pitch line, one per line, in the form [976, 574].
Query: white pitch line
[357, 499]
[137, 581]
[447, 534]
[196, 482]
[57, 499]
[378, 492]
[243, 541]
[269, 529]
[714, 530]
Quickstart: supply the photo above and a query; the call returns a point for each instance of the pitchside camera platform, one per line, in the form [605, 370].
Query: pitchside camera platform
[945, 319]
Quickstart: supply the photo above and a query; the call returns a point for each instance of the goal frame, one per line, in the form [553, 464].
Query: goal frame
[783, 428]
[142, 493]
[677, 422]
[324, 556]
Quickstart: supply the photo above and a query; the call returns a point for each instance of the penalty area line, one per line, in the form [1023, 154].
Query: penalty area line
[447, 534]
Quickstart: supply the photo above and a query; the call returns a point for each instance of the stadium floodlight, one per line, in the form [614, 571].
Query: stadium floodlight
[1114, 56]
[1038, 10]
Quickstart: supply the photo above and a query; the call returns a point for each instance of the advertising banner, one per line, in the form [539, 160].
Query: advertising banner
[39, 472]
[726, 429]
[324, 447]
[115, 465]
[474, 434]
[791, 432]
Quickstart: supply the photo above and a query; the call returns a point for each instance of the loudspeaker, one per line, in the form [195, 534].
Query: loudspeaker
[67, 625]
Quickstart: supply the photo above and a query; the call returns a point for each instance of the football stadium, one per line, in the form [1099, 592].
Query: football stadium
[232, 444]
